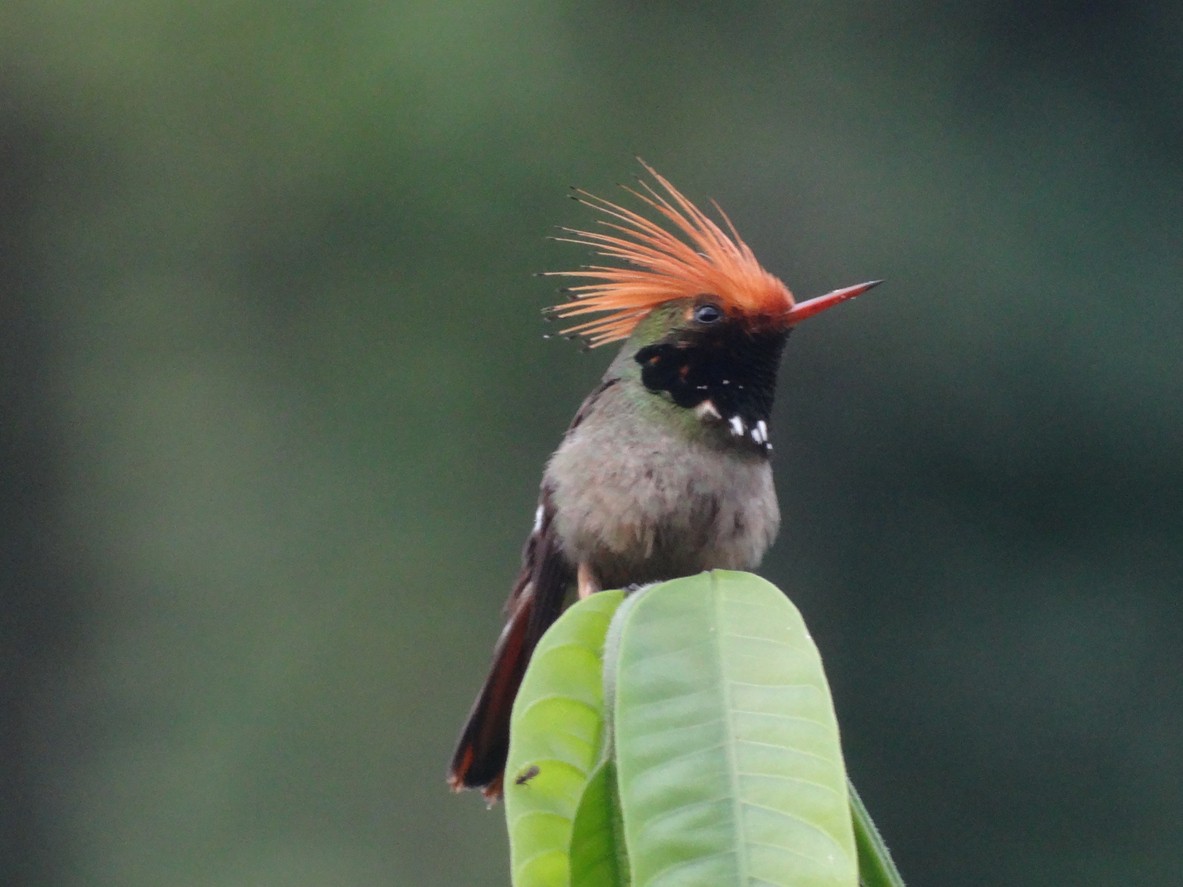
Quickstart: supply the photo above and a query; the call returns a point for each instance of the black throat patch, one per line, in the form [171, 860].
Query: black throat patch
[726, 375]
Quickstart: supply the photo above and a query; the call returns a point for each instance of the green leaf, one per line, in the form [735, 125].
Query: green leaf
[875, 865]
[729, 764]
[598, 857]
[555, 741]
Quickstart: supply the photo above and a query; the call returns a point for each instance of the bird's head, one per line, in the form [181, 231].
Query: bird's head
[701, 317]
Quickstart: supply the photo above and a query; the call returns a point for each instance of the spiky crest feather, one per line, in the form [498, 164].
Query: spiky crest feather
[693, 256]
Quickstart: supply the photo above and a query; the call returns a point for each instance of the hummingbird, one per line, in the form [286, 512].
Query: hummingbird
[665, 470]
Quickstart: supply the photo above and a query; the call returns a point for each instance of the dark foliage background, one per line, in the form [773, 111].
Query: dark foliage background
[275, 401]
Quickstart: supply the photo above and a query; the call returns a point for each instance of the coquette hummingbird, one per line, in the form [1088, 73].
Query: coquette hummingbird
[665, 470]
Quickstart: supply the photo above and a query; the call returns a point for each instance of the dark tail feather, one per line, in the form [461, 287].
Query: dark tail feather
[479, 760]
[534, 604]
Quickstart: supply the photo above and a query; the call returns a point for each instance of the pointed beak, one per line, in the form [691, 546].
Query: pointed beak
[803, 310]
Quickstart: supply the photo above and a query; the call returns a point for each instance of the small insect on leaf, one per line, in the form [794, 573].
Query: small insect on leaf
[527, 774]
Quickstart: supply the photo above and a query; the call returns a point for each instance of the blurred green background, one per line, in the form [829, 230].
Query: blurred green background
[275, 400]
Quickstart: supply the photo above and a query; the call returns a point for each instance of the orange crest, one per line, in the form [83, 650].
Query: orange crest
[685, 255]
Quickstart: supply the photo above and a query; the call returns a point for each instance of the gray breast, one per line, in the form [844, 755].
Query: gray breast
[638, 501]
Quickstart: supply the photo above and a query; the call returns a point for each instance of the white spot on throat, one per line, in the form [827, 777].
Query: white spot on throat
[707, 410]
[735, 424]
[760, 432]
[538, 519]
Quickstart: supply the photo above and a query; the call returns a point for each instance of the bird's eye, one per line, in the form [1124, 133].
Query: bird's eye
[708, 313]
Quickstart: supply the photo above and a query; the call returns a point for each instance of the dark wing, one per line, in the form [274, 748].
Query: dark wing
[534, 604]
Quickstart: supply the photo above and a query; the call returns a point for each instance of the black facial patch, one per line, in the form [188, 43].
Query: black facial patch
[733, 368]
